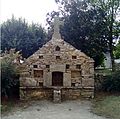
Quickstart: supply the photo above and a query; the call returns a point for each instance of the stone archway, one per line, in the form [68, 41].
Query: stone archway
[57, 78]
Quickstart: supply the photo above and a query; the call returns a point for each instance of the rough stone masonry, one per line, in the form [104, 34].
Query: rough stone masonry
[57, 66]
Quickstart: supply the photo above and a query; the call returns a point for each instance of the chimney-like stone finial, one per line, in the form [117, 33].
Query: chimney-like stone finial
[57, 23]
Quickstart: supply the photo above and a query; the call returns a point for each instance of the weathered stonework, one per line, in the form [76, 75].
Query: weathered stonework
[57, 64]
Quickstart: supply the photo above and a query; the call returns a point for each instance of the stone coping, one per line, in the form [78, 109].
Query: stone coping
[53, 87]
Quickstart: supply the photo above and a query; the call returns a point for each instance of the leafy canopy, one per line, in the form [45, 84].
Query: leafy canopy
[84, 27]
[16, 33]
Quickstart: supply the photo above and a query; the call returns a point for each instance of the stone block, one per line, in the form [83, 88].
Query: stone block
[56, 95]
[47, 79]
[87, 94]
[67, 79]
[30, 82]
[60, 68]
[88, 83]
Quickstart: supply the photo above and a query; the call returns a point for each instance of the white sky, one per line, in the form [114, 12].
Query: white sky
[31, 10]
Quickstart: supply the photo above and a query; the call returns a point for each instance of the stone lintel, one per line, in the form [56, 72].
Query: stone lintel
[88, 88]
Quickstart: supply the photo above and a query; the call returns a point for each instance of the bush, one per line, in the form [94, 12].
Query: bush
[9, 75]
[112, 82]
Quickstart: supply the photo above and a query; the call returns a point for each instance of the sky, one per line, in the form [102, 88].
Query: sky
[32, 10]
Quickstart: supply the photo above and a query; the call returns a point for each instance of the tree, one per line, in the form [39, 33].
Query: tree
[84, 27]
[111, 8]
[16, 33]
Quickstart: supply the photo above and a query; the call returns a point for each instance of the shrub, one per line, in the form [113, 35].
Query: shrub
[112, 82]
[8, 77]
[9, 74]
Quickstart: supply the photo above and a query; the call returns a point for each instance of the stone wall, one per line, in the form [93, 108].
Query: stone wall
[35, 93]
[47, 93]
[57, 56]
[71, 93]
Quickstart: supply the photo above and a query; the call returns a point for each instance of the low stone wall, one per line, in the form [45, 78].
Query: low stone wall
[77, 93]
[36, 93]
[88, 92]
[68, 93]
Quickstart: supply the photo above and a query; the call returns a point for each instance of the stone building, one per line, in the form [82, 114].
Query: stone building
[57, 70]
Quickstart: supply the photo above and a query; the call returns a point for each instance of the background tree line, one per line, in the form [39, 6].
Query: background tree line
[24, 37]
[89, 25]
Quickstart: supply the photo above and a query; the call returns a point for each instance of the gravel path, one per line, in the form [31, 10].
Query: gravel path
[48, 110]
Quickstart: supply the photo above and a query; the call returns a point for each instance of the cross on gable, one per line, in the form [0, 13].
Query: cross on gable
[56, 27]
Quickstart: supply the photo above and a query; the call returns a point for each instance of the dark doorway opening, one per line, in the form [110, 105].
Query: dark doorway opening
[57, 78]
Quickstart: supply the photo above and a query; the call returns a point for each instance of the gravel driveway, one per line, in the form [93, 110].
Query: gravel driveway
[47, 110]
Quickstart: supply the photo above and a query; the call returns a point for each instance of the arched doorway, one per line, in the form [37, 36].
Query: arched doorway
[57, 78]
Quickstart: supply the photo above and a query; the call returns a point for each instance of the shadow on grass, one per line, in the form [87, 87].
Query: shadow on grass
[9, 106]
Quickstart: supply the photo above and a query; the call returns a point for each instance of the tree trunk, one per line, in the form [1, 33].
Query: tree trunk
[111, 40]
[112, 57]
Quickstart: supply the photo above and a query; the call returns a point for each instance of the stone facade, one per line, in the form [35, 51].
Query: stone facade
[57, 65]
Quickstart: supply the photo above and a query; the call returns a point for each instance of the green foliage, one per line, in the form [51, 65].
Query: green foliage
[117, 51]
[112, 82]
[108, 106]
[84, 27]
[9, 73]
[16, 33]
[111, 9]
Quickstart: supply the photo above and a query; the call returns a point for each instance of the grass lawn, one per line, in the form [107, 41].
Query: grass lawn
[107, 105]
[5, 107]
[9, 106]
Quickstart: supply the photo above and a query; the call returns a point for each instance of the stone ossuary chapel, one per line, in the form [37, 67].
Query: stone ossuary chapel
[57, 71]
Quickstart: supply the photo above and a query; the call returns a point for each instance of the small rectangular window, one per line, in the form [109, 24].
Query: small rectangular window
[78, 66]
[75, 74]
[57, 57]
[35, 66]
[73, 84]
[74, 57]
[40, 57]
[47, 66]
[67, 66]
[40, 83]
[38, 73]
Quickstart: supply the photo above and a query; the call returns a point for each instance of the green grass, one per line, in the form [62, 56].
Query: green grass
[7, 107]
[108, 106]
[11, 106]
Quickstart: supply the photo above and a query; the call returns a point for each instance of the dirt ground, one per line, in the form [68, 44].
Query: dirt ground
[48, 110]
